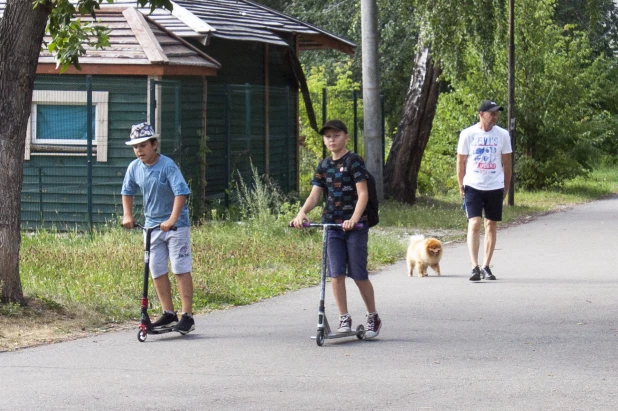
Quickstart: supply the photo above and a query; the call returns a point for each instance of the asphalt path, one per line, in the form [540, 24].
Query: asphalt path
[544, 336]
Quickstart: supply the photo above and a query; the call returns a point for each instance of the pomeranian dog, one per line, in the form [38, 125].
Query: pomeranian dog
[422, 253]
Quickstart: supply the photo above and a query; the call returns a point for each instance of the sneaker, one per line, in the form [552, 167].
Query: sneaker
[185, 325]
[345, 324]
[167, 320]
[487, 274]
[476, 274]
[373, 326]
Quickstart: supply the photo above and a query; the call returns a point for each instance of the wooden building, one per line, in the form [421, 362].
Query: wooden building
[219, 80]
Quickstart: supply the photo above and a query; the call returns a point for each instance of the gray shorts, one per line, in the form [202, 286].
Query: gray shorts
[172, 245]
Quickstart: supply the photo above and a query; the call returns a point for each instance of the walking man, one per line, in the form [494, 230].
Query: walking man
[484, 174]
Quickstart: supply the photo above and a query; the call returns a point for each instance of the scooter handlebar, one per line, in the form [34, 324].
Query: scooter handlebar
[307, 224]
[156, 227]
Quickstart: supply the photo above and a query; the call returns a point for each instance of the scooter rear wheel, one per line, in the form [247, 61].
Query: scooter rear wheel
[141, 335]
[360, 330]
[319, 338]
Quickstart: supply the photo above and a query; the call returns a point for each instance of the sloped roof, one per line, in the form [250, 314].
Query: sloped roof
[137, 46]
[241, 20]
[246, 20]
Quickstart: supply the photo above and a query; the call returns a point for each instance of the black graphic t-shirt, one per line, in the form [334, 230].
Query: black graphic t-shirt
[339, 178]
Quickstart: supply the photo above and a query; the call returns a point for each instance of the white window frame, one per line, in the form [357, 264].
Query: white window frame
[59, 97]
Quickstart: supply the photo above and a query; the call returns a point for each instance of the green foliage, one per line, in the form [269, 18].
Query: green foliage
[565, 96]
[397, 22]
[259, 201]
[597, 18]
[308, 162]
[339, 87]
[561, 87]
[453, 28]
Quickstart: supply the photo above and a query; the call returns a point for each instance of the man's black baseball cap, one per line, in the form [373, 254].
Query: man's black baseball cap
[490, 106]
[334, 124]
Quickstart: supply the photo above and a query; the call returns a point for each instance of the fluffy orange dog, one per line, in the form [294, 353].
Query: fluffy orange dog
[422, 253]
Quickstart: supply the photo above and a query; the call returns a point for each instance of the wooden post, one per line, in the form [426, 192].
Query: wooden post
[371, 93]
[511, 112]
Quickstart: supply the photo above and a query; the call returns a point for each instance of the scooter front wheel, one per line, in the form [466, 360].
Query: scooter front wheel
[141, 335]
[319, 338]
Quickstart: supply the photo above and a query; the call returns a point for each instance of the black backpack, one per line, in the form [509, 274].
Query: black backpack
[373, 203]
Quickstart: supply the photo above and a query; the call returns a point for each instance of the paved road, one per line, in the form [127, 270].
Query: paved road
[542, 337]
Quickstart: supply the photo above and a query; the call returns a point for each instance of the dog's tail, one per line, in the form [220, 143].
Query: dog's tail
[416, 238]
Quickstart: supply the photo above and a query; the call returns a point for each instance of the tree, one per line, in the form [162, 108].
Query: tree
[398, 28]
[404, 161]
[21, 35]
[566, 100]
[447, 30]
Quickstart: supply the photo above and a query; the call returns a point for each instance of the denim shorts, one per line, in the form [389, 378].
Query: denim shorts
[478, 202]
[172, 245]
[347, 253]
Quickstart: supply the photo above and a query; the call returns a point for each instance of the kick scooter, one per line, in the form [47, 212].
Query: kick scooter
[145, 326]
[324, 331]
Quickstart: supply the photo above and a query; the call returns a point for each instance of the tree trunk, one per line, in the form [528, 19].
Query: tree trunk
[404, 159]
[21, 35]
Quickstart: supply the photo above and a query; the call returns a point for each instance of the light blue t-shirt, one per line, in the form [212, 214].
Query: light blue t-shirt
[159, 183]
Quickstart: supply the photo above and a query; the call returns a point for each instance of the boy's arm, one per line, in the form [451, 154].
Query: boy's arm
[127, 212]
[361, 204]
[310, 203]
[179, 202]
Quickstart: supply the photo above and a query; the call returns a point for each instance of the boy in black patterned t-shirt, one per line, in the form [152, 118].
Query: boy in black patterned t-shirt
[344, 177]
[340, 182]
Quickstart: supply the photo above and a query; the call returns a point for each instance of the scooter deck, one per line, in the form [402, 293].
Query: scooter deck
[342, 335]
[162, 331]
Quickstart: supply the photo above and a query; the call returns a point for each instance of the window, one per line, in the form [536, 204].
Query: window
[58, 124]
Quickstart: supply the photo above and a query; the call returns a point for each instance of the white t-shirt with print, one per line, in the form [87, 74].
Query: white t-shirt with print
[484, 150]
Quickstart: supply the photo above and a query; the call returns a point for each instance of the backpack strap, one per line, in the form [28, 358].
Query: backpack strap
[350, 160]
[324, 163]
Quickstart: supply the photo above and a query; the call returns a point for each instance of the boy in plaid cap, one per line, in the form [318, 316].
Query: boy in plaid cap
[164, 191]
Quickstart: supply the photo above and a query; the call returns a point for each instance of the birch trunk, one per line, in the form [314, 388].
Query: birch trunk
[404, 160]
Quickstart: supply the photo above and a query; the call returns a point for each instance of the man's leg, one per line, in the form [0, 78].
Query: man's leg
[473, 239]
[491, 228]
[164, 292]
[185, 289]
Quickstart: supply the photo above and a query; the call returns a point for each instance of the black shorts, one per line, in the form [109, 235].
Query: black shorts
[478, 202]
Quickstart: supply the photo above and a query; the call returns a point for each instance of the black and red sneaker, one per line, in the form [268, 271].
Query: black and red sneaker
[185, 325]
[167, 320]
